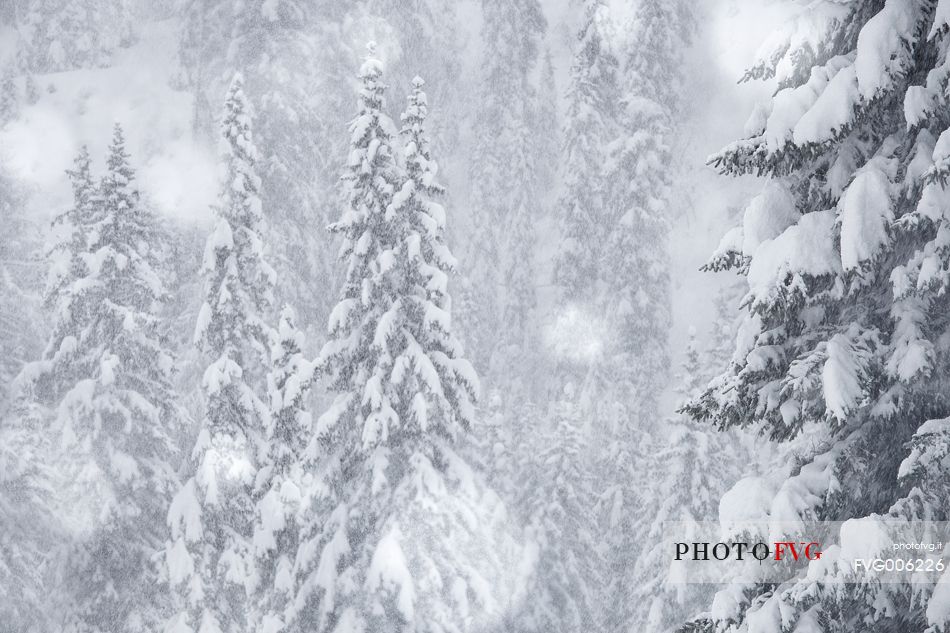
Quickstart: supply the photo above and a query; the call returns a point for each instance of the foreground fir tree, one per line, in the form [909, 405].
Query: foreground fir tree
[210, 558]
[844, 334]
[105, 381]
[397, 544]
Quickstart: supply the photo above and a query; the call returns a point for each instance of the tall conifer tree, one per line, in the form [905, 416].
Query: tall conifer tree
[842, 341]
[105, 381]
[210, 557]
[394, 478]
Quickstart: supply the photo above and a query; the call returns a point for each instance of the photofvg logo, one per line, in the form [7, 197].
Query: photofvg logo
[779, 550]
[874, 549]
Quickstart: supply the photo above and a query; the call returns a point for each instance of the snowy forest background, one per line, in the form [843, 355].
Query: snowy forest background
[477, 402]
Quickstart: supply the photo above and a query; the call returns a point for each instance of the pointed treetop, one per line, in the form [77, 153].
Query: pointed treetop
[237, 110]
[81, 175]
[118, 136]
[237, 82]
[117, 189]
[417, 110]
[372, 68]
[419, 165]
[242, 191]
[118, 158]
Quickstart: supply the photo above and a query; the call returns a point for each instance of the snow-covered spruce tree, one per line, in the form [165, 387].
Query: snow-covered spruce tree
[103, 387]
[210, 560]
[292, 58]
[72, 228]
[391, 550]
[29, 529]
[692, 465]
[64, 296]
[507, 193]
[590, 126]
[567, 577]
[844, 338]
[547, 145]
[617, 200]
[277, 490]
[640, 202]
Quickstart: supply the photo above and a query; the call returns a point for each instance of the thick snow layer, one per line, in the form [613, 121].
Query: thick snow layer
[728, 602]
[389, 571]
[941, 152]
[881, 53]
[747, 502]
[790, 105]
[184, 513]
[912, 352]
[832, 111]
[826, 103]
[766, 617]
[755, 124]
[767, 215]
[799, 495]
[731, 242]
[919, 102]
[180, 565]
[865, 538]
[844, 372]
[941, 20]
[934, 426]
[865, 212]
[220, 374]
[924, 456]
[805, 30]
[806, 248]
[809, 622]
